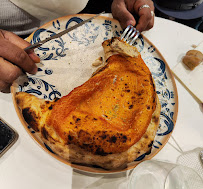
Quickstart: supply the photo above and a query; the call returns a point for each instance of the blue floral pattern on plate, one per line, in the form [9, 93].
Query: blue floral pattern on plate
[90, 36]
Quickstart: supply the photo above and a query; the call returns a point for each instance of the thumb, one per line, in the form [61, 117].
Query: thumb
[120, 12]
[16, 40]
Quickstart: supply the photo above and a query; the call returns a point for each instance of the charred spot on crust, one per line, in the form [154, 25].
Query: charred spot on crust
[112, 40]
[155, 119]
[84, 135]
[146, 136]
[113, 139]
[127, 90]
[17, 101]
[124, 138]
[51, 107]
[97, 166]
[103, 136]
[130, 107]
[70, 137]
[78, 119]
[153, 85]
[44, 133]
[42, 106]
[87, 146]
[100, 151]
[30, 117]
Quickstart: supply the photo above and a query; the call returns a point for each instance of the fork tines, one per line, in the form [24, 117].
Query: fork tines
[130, 34]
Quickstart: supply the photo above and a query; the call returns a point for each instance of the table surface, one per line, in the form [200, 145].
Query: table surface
[26, 165]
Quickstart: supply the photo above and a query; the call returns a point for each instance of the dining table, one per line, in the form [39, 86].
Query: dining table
[26, 165]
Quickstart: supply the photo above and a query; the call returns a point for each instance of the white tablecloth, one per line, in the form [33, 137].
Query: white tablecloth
[26, 165]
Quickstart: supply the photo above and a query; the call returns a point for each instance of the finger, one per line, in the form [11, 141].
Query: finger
[151, 24]
[8, 71]
[144, 20]
[33, 56]
[4, 85]
[17, 56]
[120, 12]
[140, 3]
[16, 40]
[20, 43]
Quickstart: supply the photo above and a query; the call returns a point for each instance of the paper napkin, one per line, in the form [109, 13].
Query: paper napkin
[192, 80]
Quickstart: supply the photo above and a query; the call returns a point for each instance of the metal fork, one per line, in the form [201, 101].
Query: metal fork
[130, 34]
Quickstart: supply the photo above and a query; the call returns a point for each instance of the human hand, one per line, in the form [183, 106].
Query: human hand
[125, 10]
[13, 59]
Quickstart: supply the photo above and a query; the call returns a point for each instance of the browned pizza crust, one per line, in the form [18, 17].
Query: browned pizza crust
[108, 121]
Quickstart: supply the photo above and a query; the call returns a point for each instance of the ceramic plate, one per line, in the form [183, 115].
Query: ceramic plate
[66, 63]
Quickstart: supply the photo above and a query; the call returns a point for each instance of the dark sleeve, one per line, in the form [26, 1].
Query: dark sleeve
[97, 6]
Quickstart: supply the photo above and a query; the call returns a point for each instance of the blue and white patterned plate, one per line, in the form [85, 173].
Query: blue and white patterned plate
[66, 63]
